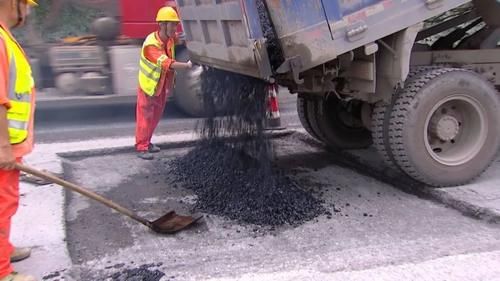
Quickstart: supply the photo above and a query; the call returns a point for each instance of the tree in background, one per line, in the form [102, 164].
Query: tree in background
[54, 20]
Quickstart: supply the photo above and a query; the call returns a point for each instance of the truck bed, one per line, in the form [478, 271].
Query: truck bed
[233, 34]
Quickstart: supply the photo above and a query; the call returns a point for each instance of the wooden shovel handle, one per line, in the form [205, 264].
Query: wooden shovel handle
[83, 191]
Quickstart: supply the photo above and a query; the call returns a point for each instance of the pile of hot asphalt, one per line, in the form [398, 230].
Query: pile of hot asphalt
[231, 169]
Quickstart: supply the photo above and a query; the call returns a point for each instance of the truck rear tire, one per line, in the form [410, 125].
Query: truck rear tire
[380, 136]
[444, 129]
[381, 115]
[188, 94]
[331, 122]
[304, 117]
[341, 125]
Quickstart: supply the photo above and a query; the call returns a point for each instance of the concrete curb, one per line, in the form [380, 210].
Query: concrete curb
[162, 145]
[123, 149]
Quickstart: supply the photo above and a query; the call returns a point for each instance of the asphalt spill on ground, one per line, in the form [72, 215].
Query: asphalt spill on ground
[232, 184]
[231, 170]
[54, 276]
[146, 272]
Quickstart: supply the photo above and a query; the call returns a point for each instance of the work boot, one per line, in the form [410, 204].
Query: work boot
[153, 148]
[20, 254]
[14, 276]
[145, 155]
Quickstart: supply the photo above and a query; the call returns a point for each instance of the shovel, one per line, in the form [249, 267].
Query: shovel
[167, 224]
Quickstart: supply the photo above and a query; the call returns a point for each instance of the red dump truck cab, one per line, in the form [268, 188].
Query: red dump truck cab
[138, 18]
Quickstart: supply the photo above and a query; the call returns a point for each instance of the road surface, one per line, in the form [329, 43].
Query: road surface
[382, 227]
[117, 120]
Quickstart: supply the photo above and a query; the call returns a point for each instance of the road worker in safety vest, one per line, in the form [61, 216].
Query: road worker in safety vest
[156, 79]
[17, 104]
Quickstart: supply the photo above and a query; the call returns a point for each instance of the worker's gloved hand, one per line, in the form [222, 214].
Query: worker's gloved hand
[7, 159]
[189, 64]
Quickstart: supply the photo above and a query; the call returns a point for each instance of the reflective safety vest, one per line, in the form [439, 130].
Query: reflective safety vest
[149, 72]
[19, 87]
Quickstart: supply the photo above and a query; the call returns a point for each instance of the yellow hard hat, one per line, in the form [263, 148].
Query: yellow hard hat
[32, 3]
[167, 14]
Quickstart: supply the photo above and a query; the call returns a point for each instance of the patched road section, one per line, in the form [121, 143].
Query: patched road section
[367, 223]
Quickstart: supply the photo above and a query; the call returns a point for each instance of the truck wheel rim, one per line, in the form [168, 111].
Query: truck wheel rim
[456, 130]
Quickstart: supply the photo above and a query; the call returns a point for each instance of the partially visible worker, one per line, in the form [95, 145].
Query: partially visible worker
[17, 105]
[156, 79]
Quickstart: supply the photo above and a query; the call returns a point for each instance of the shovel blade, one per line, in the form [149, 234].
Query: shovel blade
[172, 223]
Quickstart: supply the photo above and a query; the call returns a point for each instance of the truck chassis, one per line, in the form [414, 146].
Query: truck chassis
[365, 75]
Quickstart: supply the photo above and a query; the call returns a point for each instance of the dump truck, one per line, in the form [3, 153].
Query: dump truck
[102, 65]
[416, 79]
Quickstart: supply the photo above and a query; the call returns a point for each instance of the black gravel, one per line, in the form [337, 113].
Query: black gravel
[230, 183]
[231, 170]
[51, 275]
[273, 44]
[146, 272]
[242, 102]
